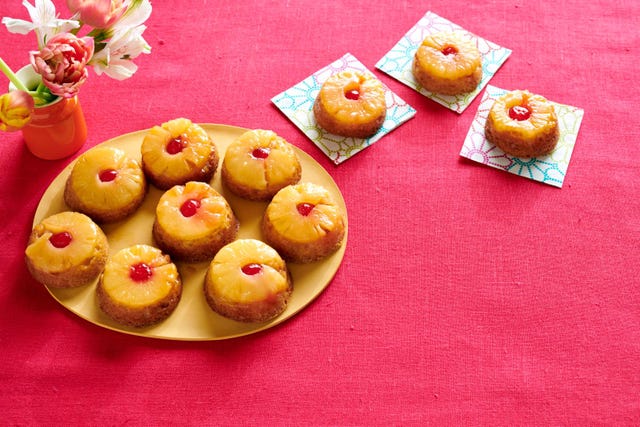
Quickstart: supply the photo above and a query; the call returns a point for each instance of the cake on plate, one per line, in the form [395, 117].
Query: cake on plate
[248, 281]
[105, 184]
[140, 286]
[258, 164]
[66, 250]
[304, 223]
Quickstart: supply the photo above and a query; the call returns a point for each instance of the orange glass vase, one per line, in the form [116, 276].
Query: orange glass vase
[56, 130]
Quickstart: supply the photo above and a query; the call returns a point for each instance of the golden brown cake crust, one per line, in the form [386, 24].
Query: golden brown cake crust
[194, 250]
[74, 275]
[259, 311]
[361, 118]
[447, 87]
[514, 144]
[203, 174]
[448, 64]
[138, 318]
[534, 137]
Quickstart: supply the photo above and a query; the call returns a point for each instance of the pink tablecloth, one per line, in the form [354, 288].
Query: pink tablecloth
[467, 295]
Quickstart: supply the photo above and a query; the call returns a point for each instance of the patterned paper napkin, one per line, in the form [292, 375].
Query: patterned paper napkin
[297, 104]
[550, 169]
[398, 61]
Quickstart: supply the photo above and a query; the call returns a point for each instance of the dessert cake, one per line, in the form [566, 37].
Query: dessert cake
[248, 281]
[447, 63]
[193, 221]
[523, 124]
[139, 287]
[66, 250]
[105, 184]
[352, 104]
[303, 223]
[258, 164]
[178, 151]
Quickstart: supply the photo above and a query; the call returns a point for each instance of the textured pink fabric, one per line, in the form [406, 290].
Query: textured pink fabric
[467, 295]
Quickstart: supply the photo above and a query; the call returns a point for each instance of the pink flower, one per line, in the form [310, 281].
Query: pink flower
[98, 13]
[62, 63]
[15, 110]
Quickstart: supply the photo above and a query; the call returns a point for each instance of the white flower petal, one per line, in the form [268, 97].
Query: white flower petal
[17, 26]
[134, 16]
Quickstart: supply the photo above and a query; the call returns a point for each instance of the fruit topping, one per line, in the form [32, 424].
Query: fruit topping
[61, 240]
[176, 145]
[353, 94]
[519, 112]
[260, 153]
[305, 208]
[190, 207]
[108, 175]
[140, 272]
[252, 269]
[449, 50]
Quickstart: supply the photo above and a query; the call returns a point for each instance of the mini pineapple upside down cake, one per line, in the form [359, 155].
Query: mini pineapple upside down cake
[66, 250]
[523, 124]
[248, 281]
[178, 151]
[304, 223]
[193, 221]
[447, 63]
[258, 164]
[105, 184]
[352, 104]
[140, 286]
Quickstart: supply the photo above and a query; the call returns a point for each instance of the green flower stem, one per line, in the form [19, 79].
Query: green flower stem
[12, 77]
[42, 95]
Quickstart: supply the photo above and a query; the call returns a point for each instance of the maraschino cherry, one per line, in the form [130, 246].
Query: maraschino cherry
[140, 272]
[353, 94]
[519, 112]
[176, 145]
[305, 208]
[449, 50]
[260, 153]
[252, 269]
[61, 240]
[108, 175]
[190, 207]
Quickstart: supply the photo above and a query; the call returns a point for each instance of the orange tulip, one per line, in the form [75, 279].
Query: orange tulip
[15, 110]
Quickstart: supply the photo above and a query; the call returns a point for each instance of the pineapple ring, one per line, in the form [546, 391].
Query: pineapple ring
[194, 158]
[303, 223]
[448, 63]
[352, 104]
[248, 281]
[136, 301]
[522, 124]
[258, 164]
[107, 198]
[201, 233]
[77, 261]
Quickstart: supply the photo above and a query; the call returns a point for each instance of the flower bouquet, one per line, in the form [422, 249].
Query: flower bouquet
[105, 35]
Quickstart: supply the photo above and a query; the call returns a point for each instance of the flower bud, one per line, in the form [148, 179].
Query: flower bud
[15, 110]
[97, 13]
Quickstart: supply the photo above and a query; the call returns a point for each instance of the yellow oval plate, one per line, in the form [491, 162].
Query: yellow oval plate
[193, 320]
